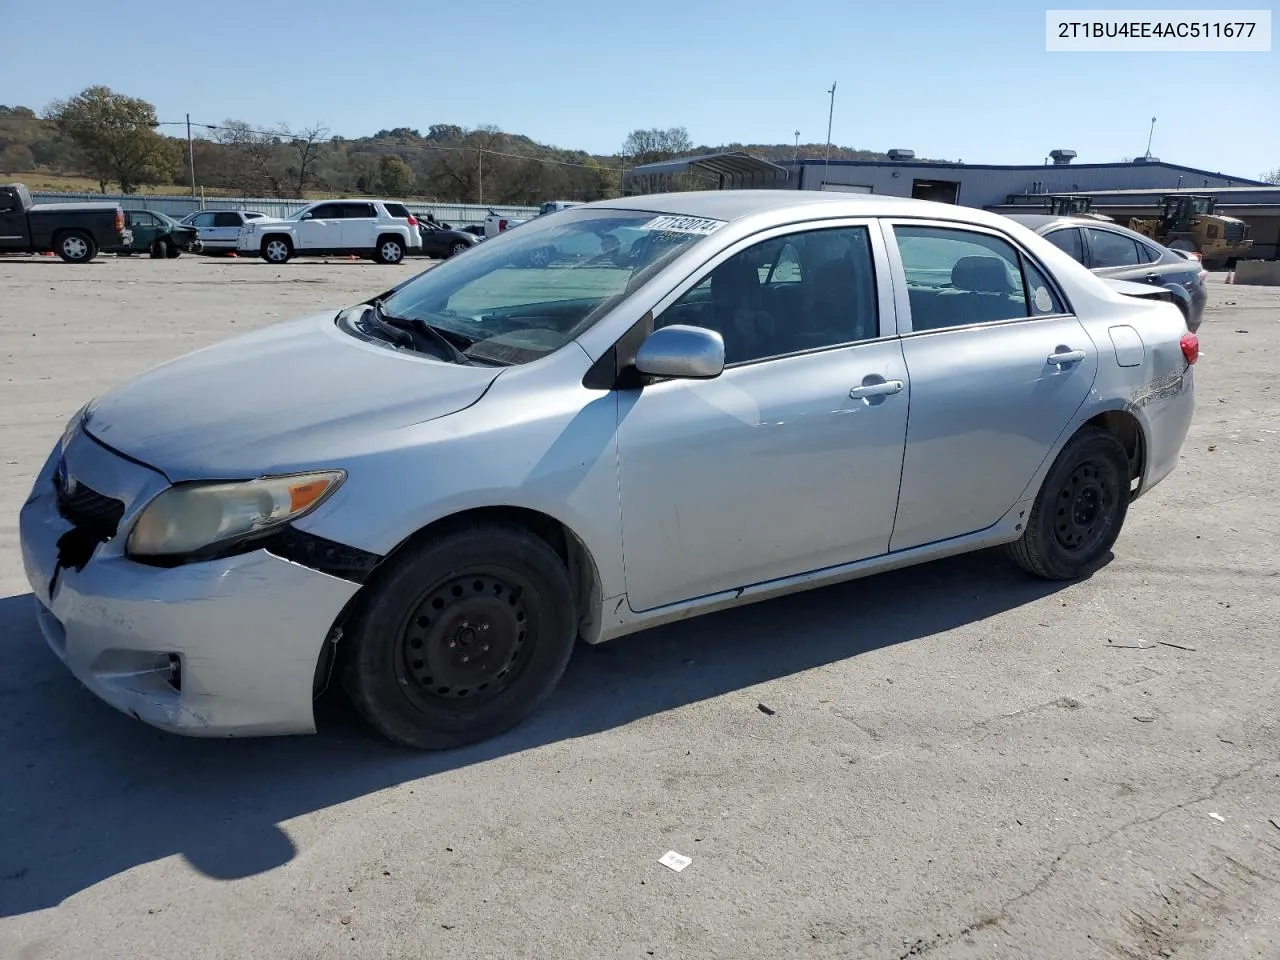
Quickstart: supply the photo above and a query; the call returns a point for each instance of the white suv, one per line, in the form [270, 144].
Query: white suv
[367, 228]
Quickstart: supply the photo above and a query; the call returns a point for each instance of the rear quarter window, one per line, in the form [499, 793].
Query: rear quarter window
[397, 210]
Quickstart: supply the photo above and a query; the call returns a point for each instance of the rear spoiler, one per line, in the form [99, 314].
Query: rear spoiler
[1140, 291]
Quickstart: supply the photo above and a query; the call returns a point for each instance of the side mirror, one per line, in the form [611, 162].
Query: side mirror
[682, 353]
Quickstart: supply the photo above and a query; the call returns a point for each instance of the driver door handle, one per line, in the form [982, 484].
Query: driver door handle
[884, 389]
[1066, 356]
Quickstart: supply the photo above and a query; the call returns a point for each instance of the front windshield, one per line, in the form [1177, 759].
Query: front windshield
[526, 293]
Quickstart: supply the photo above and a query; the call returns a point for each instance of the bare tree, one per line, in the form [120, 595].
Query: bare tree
[650, 146]
[307, 146]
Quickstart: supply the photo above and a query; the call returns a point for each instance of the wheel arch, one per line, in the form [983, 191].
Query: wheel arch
[578, 559]
[1122, 424]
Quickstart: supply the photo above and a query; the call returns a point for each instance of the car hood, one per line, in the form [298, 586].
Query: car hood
[291, 395]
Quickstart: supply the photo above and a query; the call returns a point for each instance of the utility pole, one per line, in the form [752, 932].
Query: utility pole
[480, 175]
[797, 156]
[1151, 134]
[830, 116]
[191, 158]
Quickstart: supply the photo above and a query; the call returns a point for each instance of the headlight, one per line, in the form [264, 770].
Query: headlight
[189, 518]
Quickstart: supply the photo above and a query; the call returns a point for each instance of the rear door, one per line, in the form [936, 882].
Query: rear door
[359, 226]
[998, 367]
[226, 228]
[320, 228]
[145, 229]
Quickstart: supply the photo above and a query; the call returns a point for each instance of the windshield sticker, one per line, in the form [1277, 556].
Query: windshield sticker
[669, 224]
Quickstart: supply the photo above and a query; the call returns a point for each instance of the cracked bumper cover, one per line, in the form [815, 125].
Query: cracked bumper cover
[247, 630]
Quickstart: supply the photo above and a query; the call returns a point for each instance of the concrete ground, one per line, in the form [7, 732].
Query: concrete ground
[956, 761]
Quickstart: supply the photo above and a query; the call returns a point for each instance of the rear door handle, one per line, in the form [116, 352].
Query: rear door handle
[1066, 356]
[883, 389]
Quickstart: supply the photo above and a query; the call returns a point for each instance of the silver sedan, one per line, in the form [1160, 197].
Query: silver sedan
[683, 403]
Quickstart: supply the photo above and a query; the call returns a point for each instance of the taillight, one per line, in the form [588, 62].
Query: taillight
[502, 225]
[119, 221]
[413, 221]
[1190, 344]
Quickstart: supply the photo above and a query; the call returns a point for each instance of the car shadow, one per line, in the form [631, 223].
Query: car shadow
[87, 793]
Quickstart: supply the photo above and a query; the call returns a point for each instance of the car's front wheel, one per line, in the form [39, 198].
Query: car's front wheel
[1079, 511]
[276, 250]
[461, 638]
[458, 248]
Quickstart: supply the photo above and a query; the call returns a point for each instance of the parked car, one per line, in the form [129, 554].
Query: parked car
[433, 494]
[441, 241]
[75, 231]
[157, 234]
[1118, 253]
[381, 230]
[495, 223]
[219, 230]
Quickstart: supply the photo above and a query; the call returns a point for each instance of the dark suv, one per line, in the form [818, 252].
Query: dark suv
[1118, 253]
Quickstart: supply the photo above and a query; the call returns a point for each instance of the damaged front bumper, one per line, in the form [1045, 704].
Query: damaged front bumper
[221, 648]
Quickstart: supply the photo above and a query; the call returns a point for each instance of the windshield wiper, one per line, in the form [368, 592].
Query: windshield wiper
[398, 325]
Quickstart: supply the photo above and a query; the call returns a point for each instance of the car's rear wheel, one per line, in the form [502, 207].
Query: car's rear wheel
[390, 250]
[461, 638]
[457, 248]
[159, 250]
[1079, 511]
[76, 246]
[276, 250]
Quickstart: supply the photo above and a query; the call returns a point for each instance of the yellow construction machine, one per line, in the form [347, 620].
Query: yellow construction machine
[1187, 222]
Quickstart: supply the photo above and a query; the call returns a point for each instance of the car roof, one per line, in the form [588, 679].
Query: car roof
[732, 205]
[1041, 222]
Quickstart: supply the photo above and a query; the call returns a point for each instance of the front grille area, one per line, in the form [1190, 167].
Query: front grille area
[90, 510]
[1234, 232]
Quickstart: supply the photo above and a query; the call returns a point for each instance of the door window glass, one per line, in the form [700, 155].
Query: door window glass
[1069, 242]
[800, 291]
[226, 219]
[1113, 249]
[956, 278]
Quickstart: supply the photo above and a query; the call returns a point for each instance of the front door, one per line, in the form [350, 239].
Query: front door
[789, 461]
[13, 222]
[998, 369]
[320, 228]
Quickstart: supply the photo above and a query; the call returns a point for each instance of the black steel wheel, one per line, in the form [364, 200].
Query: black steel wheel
[1079, 511]
[461, 638]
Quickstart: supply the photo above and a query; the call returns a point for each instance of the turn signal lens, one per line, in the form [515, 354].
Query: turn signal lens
[1190, 344]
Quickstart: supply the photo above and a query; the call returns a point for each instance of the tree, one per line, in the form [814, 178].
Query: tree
[1271, 176]
[650, 146]
[307, 146]
[395, 177]
[16, 158]
[116, 138]
[444, 131]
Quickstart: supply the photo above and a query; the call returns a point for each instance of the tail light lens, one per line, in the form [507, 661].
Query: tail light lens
[502, 225]
[119, 221]
[1190, 344]
[413, 221]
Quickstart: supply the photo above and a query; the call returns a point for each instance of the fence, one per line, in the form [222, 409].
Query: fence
[456, 214]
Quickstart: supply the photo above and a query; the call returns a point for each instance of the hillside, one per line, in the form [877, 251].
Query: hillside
[444, 163]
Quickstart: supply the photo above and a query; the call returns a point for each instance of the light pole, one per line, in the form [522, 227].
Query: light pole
[191, 158]
[1151, 133]
[830, 115]
[797, 156]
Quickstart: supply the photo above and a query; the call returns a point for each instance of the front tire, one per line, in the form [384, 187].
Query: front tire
[458, 248]
[461, 638]
[276, 250]
[390, 250]
[1079, 511]
[76, 246]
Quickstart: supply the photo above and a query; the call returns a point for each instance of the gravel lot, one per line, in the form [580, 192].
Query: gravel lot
[961, 762]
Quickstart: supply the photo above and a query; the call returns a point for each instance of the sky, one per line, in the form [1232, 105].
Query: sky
[934, 77]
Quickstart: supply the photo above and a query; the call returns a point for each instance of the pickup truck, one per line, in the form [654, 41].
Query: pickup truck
[75, 231]
[495, 224]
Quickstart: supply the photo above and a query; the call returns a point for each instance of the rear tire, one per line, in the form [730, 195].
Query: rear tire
[76, 246]
[390, 250]
[159, 250]
[461, 638]
[1079, 510]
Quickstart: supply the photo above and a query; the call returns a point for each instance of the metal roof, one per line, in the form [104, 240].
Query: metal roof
[733, 169]
[1040, 167]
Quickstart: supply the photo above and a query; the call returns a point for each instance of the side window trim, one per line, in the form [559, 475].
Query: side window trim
[902, 297]
[879, 264]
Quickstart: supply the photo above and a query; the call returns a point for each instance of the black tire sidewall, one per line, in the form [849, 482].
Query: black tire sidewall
[1098, 445]
[370, 674]
[457, 248]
